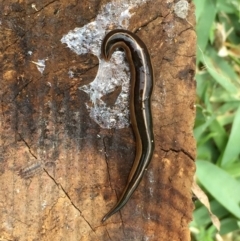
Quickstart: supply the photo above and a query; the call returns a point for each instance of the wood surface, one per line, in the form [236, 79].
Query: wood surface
[60, 172]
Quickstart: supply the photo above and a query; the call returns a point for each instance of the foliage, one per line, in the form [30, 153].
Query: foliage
[217, 126]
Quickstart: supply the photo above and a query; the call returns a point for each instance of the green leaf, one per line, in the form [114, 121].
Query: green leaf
[207, 137]
[206, 16]
[198, 131]
[199, 8]
[206, 152]
[224, 188]
[228, 225]
[220, 137]
[217, 124]
[228, 107]
[226, 6]
[219, 95]
[201, 215]
[226, 119]
[203, 84]
[220, 75]
[224, 67]
[234, 169]
[232, 149]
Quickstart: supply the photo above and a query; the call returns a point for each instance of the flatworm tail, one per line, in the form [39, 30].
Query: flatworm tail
[140, 104]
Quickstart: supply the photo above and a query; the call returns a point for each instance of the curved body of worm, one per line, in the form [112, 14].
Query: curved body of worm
[140, 104]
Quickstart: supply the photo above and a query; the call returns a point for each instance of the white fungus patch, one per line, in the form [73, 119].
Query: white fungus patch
[181, 9]
[40, 65]
[151, 176]
[70, 74]
[44, 204]
[112, 74]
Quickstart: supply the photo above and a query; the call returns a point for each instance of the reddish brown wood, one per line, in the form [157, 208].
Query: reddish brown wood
[59, 171]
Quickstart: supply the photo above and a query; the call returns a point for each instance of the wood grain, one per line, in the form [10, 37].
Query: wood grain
[59, 171]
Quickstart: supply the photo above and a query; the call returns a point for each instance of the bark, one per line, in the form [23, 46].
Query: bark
[60, 171]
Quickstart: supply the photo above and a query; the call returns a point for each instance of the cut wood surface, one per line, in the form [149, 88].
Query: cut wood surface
[60, 170]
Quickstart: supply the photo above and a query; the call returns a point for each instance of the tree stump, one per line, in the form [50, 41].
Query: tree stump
[67, 146]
